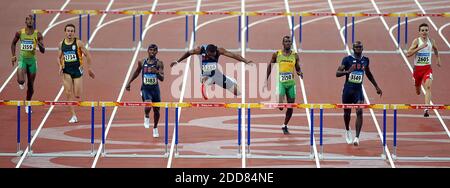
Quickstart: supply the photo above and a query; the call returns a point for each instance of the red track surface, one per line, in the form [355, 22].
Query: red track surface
[321, 85]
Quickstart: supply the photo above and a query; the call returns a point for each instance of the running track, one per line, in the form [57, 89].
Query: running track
[418, 136]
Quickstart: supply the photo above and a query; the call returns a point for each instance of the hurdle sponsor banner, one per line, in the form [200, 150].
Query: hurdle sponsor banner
[372, 106]
[424, 106]
[62, 103]
[134, 104]
[11, 103]
[279, 105]
[202, 104]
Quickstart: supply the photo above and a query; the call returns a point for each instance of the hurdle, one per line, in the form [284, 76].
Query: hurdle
[104, 152]
[88, 153]
[323, 156]
[239, 106]
[396, 107]
[247, 15]
[19, 151]
[310, 156]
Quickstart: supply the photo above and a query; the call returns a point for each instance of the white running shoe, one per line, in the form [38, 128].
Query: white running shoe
[73, 119]
[146, 122]
[21, 86]
[348, 136]
[26, 110]
[356, 141]
[155, 133]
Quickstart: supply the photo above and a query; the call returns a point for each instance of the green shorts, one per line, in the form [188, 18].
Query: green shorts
[289, 89]
[28, 64]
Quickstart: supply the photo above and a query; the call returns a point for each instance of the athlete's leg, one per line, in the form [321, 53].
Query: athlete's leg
[427, 86]
[347, 98]
[359, 115]
[227, 83]
[77, 89]
[30, 85]
[289, 111]
[281, 91]
[146, 97]
[21, 75]
[347, 113]
[236, 90]
[68, 90]
[21, 71]
[359, 121]
[156, 116]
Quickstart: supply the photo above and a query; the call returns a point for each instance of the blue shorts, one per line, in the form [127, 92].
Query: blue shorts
[151, 94]
[352, 95]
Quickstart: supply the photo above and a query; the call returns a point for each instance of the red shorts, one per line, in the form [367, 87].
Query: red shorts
[421, 74]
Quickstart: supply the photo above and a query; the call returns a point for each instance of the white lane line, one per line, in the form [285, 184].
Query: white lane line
[302, 84]
[388, 155]
[183, 87]
[122, 90]
[440, 33]
[243, 47]
[43, 34]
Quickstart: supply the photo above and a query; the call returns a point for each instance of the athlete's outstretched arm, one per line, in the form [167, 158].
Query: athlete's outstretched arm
[88, 58]
[40, 42]
[227, 53]
[372, 79]
[186, 55]
[135, 75]
[13, 48]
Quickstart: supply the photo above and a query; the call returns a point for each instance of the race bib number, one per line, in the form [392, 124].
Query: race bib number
[208, 67]
[356, 77]
[70, 56]
[150, 79]
[27, 45]
[284, 77]
[423, 58]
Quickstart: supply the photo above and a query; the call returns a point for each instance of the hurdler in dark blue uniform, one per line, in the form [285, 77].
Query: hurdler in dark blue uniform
[354, 67]
[152, 70]
[352, 92]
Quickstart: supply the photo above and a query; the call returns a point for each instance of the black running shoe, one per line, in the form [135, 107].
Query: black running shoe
[285, 130]
[426, 114]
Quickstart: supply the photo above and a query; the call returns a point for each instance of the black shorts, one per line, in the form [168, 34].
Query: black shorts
[73, 71]
[151, 94]
[352, 95]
